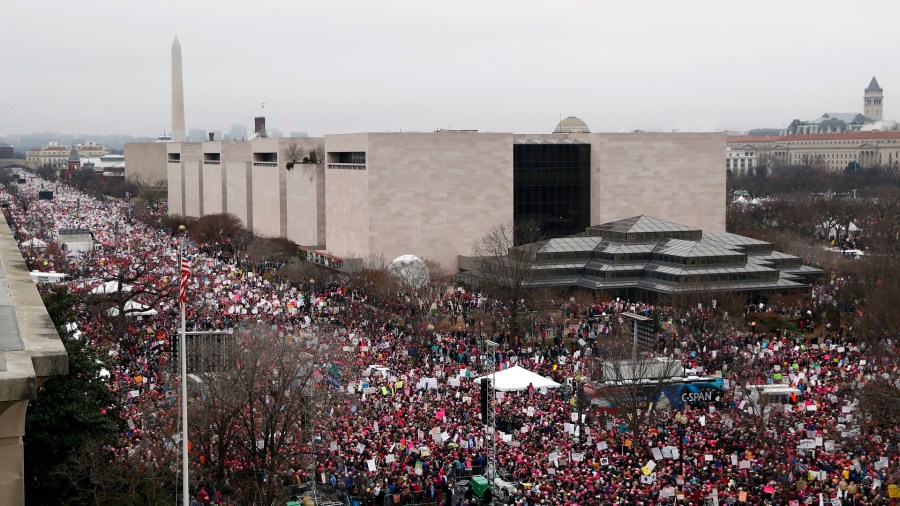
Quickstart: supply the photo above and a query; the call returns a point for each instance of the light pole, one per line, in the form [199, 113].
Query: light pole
[491, 426]
[182, 359]
[680, 423]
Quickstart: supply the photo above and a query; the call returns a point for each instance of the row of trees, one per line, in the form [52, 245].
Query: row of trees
[263, 409]
[769, 178]
[802, 222]
[813, 216]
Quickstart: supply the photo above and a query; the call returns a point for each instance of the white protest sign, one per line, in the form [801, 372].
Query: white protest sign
[806, 444]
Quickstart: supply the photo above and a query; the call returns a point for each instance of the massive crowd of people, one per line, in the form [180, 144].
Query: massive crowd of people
[407, 432]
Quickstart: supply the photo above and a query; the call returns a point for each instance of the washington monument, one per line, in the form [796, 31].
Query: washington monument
[177, 94]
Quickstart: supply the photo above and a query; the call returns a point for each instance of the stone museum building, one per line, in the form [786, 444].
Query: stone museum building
[435, 194]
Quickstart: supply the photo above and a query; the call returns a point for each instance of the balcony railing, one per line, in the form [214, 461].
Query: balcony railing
[211, 162]
[265, 164]
[347, 166]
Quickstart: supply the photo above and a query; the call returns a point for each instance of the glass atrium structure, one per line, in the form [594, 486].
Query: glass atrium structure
[552, 185]
[646, 254]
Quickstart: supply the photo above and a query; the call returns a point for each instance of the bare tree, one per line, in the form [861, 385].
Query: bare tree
[264, 409]
[879, 405]
[504, 258]
[145, 474]
[48, 172]
[293, 154]
[133, 280]
[220, 231]
[152, 192]
[375, 280]
[300, 272]
[271, 250]
[881, 221]
[82, 179]
[709, 311]
[881, 320]
[632, 384]
[317, 155]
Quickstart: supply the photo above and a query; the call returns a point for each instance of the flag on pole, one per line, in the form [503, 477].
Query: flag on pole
[185, 274]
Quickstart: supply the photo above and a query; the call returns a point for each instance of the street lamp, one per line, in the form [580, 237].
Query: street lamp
[491, 426]
[680, 424]
[185, 485]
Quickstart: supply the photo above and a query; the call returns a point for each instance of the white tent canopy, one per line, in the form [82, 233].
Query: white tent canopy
[109, 287]
[133, 308]
[839, 228]
[516, 379]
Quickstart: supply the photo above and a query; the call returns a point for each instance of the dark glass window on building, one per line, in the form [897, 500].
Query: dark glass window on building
[552, 187]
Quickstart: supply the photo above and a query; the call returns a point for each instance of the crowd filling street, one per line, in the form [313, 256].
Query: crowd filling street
[410, 430]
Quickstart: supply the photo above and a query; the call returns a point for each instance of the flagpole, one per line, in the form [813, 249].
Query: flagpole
[182, 358]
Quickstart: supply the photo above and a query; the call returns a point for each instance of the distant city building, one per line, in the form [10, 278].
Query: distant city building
[237, 132]
[108, 165]
[834, 141]
[831, 151]
[873, 101]
[196, 135]
[58, 155]
[6, 151]
[74, 161]
[842, 122]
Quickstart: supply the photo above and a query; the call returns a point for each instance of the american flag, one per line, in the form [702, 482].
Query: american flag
[185, 274]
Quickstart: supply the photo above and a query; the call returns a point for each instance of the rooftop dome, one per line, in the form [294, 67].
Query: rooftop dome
[571, 125]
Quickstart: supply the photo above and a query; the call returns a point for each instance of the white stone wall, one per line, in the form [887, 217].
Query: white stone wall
[434, 195]
[236, 183]
[147, 159]
[306, 204]
[678, 177]
[266, 201]
[175, 192]
[211, 174]
[347, 201]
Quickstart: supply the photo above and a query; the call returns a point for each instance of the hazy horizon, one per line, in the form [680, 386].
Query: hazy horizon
[103, 67]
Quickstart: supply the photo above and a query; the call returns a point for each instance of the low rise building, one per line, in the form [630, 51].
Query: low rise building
[434, 195]
[57, 155]
[834, 151]
[834, 141]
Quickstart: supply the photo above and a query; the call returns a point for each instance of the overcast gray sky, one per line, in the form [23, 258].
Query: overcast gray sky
[102, 66]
